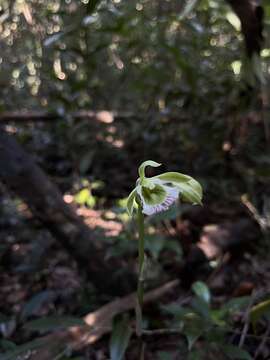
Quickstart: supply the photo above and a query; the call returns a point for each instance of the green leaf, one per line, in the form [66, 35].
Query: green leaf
[7, 345]
[36, 302]
[258, 311]
[82, 196]
[164, 355]
[201, 308]
[155, 244]
[194, 355]
[120, 337]
[144, 165]
[192, 334]
[217, 335]
[19, 350]
[234, 352]
[53, 323]
[194, 327]
[202, 291]
[177, 311]
[85, 197]
[236, 304]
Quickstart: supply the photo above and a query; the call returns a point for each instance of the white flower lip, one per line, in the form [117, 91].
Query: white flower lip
[172, 194]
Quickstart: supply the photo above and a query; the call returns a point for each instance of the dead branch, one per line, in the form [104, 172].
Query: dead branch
[98, 324]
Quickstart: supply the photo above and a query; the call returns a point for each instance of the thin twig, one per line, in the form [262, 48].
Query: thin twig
[265, 338]
[254, 212]
[246, 320]
[162, 332]
[179, 331]
[224, 260]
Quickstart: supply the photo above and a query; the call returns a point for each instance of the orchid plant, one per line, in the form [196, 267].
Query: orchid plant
[151, 196]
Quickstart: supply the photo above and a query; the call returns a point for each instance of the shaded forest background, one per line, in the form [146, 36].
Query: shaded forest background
[89, 90]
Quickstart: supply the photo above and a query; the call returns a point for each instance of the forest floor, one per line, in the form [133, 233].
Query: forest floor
[218, 244]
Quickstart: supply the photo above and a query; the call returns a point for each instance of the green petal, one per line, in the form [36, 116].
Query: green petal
[196, 186]
[143, 166]
[191, 192]
[174, 177]
[130, 201]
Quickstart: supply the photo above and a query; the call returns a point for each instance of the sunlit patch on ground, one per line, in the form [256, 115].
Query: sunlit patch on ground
[94, 219]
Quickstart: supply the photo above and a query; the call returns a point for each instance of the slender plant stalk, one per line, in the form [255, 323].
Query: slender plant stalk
[140, 219]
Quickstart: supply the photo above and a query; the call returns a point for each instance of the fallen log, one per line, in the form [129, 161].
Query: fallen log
[98, 323]
[20, 174]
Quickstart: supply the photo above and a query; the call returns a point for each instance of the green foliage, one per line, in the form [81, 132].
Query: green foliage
[181, 95]
[202, 291]
[7, 345]
[85, 197]
[51, 323]
[163, 355]
[188, 7]
[79, 65]
[36, 302]
[258, 311]
[162, 82]
[156, 244]
[234, 352]
[120, 337]
[201, 321]
[22, 349]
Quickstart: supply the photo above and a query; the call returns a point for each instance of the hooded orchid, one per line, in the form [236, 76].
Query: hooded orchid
[158, 193]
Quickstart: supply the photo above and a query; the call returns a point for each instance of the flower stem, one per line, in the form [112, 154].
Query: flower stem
[140, 289]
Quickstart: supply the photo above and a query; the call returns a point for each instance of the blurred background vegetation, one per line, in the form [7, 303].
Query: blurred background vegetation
[182, 79]
[91, 89]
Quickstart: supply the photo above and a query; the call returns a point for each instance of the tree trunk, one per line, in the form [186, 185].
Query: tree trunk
[250, 14]
[25, 178]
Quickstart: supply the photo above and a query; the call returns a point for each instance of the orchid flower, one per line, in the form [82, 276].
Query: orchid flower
[158, 193]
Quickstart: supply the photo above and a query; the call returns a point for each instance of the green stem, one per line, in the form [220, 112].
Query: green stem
[140, 220]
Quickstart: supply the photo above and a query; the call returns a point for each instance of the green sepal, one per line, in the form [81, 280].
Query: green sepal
[174, 177]
[143, 166]
[130, 201]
